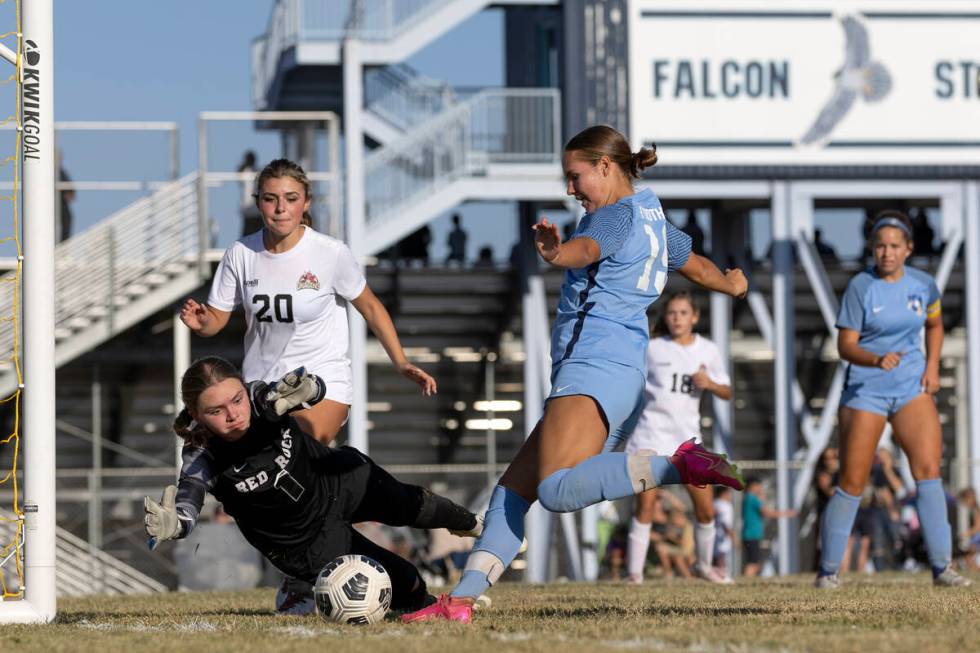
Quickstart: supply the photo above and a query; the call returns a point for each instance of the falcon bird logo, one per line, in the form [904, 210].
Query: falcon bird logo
[858, 75]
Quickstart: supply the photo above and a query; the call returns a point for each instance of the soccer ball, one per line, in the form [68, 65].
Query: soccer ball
[353, 589]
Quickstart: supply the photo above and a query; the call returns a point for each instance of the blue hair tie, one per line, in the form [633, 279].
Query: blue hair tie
[891, 222]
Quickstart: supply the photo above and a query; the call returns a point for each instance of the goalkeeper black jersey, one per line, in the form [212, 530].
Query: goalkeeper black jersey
[273, 481]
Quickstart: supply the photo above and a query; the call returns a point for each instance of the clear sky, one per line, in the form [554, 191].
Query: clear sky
[168, 61]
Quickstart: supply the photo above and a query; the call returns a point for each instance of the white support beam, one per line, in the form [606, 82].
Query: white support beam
[182, 361]
[785, 367]
[972, 256]
[535, 378]
[353, 72]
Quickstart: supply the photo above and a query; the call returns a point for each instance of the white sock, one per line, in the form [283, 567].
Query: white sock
[704, 543]
[639, 543]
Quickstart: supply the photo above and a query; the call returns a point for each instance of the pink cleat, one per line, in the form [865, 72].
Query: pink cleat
[700, 467]
[446, 607]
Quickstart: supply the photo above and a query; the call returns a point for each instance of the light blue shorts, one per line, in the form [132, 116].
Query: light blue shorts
[618, 389]
[881, 405]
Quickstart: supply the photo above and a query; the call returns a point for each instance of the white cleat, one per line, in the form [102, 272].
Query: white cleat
[476, 531]
[831, 582]
[950, 578]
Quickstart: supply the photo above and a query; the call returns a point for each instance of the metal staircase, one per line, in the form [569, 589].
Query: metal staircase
[501, 144]
[113, 275]
[398, 98]
[309, 33]
[80, 568]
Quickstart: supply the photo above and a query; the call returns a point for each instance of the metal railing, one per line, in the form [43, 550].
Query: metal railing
[82, 569]
[102, 269]
[495, 126]
[404, 97]
[293, 21]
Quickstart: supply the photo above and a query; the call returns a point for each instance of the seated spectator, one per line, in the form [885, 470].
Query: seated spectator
[970, 536]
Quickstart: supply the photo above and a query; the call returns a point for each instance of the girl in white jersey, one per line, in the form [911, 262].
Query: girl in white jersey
[294, 284]
[681, 366]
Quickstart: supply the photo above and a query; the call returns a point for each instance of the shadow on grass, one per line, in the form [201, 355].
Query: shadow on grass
[70, 618]
[654, 610]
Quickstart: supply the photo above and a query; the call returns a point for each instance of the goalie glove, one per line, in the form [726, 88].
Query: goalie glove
[297, 389]
[161, 521]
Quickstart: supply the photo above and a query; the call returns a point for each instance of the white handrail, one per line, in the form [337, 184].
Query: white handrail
[294, 20]
[404, 97]
[494, 126]
[98, 271]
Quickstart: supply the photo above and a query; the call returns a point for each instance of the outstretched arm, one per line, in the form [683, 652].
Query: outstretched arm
[706, 274]
[379, 321]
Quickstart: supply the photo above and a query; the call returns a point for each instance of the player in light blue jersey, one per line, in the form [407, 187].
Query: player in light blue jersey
[888, 379]
[617, 263]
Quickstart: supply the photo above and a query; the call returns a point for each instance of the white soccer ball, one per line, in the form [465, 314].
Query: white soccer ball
[353, 589]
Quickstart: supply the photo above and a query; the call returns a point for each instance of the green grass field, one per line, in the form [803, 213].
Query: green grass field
[885, 613]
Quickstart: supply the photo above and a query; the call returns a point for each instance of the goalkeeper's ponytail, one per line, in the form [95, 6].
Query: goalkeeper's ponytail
[192, 433]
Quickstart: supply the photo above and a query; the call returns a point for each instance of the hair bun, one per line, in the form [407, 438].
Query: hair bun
[646, 157]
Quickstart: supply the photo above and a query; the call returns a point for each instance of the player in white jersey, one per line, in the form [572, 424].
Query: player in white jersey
[681, 367]
[294, 285]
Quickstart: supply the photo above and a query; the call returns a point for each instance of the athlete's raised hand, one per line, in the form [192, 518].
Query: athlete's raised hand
[547, 240]
[296, 390]
[740, 285]
[419, 376]
[194, 315]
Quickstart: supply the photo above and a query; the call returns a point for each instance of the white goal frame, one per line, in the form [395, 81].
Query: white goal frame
[39, 602]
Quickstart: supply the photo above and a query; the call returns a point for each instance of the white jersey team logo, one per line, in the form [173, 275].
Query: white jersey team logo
[308, 280]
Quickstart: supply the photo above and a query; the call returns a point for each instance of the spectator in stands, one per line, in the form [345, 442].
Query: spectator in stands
[65, 198]
[824, 482]
[485, 257]
[294, 499]
[251, 216]
[293, 283]
[694, 231]
[415, 246]
[724, 529]
[970, 536]
[754, 513]
[923, 235]
[882, 313]
[824, 250]
[456, 241]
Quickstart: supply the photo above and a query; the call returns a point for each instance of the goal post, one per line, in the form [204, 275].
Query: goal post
[36, 140]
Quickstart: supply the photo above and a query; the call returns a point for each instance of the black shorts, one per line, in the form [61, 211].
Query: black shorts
[752, 551]
[360, 491]
[864, 522]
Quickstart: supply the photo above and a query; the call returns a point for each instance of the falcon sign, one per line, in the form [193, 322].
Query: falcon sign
[802, 83]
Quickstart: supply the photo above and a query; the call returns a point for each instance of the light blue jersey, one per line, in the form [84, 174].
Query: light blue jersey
[602, 313]
[889, 317]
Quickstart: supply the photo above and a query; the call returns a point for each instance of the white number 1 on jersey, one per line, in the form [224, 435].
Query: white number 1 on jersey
[660, 279]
